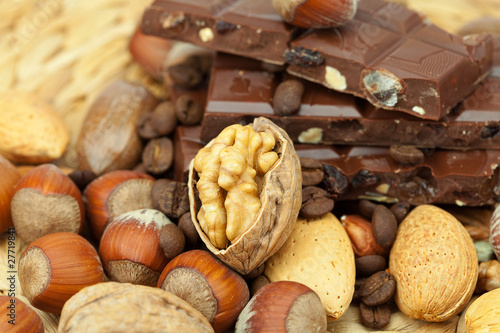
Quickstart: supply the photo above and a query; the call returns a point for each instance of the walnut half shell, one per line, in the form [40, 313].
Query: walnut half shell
[279, 193]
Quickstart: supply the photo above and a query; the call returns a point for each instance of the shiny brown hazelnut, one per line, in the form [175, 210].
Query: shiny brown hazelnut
[130, 248]
[208, 285]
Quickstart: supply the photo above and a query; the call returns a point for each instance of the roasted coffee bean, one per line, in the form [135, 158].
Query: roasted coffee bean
[366, 208]
[368, 265]
[185, 75]
[378, 289]
[171, 240]
[158, 155]
[312, 171]
[376, 317]
[163, 119]
[187, 111]
[82, 178]
[170, 197]
[360, 281]
[145, 127]
[384, 226]
[140, 168]
[315, 202]
[201, 61]
[407, 154]
[187, 226]
[287, 97]
[335, 182]
[400, 210]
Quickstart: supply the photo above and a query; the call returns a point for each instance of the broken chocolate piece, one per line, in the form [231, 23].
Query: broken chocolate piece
[241, 90]
[443, 177]
[388, 54]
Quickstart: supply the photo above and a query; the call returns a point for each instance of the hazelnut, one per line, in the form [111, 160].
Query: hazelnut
[17, 316]
[9, 178]
[187, 226]
[130, 248]
[208, 285]
[360, 232]
[123, 307]
[113, 194]
[316, 13]
[46, 201]
[283, 306]
[55, 267]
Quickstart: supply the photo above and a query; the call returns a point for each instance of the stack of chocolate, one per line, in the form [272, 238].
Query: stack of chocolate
[394, 107]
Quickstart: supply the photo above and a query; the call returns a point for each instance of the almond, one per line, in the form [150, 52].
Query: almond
[483, 315]
[318, 254]
[31, 130]
[434, 263]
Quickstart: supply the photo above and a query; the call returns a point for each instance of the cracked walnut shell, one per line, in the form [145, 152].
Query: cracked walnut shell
[249, 182]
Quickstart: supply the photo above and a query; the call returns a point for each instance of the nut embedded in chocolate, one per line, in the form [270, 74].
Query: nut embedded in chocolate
[303, 57]
[407, 154]
[335, 181]
[288, 97]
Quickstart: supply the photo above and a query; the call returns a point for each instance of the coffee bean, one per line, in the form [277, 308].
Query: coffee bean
[145, 128]
[170, 197]
[400, 210]
[172, 240]
[407, 154]
[186, 225]
[185, 75]
[163, 119]
[82, 178]
[360, 281]
[158, 155]
[187, 111]
[315, 202]
[312, 171]
[375, 317]
[384, 226]
[366, 208]
[368, 265]
[378, 289]
[288, 97]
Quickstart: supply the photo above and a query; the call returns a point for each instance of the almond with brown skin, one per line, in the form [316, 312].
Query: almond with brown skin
[109, 139]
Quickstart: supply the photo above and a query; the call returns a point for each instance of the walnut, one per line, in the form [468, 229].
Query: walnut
[248, 180]
[124, 307]
[488, 276]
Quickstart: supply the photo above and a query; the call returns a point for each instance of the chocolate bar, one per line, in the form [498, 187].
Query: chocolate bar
[240, 90]
[250, 28]
[388, 54]
[359, 172]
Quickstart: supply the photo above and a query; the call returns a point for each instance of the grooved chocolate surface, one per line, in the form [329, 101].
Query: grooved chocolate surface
[387, 54]
[240, 90]
[444, 177]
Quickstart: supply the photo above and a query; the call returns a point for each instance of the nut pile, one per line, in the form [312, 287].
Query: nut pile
[252, 240]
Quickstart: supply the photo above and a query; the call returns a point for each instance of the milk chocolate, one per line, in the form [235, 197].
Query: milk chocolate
[388, 54]
[396, 60]
[360, 172]
[240, 90]
[250, 28]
